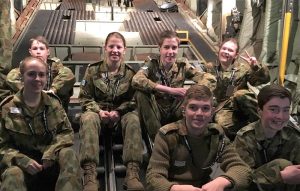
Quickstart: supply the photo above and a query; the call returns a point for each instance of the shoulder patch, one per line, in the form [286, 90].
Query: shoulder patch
[130, 67]
[168, 128]
[55, 59]
[95, 63]
[6, 100]
[245, 129]
[182, 60]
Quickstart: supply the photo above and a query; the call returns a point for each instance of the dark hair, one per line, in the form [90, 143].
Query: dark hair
[29, 59]
[198, 92]
[40, 39]
[117, 35]
[233, 40]
[270, 91]
[167, 34]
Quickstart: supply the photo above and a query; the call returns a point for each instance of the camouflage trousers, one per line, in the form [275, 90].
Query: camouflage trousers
[238, 111]
[153, 115]
[89, 132]
[66, 168]
[266, 175]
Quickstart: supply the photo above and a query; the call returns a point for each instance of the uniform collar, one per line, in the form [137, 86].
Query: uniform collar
[182, 129]
[260, 135]
[174, 68]
[103, 68]
[18, 101]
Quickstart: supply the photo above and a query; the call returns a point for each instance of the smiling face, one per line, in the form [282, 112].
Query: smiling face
[34, 75]
[228, 53]
[198, 113]
[114, 49]
[275, 115]
[39, 50]
[168, 51]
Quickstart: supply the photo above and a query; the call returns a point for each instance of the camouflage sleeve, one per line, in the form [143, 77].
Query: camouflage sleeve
[10, 156]
[157, 171]
[63, 137]
[63, 83]
[244, 147]
[86, 94]
[259, 75]
[141, 79]
[236, 170]
[13, 80]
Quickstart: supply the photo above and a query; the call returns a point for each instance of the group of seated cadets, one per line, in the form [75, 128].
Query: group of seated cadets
[106, 96]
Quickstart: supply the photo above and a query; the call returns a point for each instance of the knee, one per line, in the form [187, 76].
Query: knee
[89, 116]
[89, 121]
[244, 96]
[14, 172]
[130, 120]
[67, 156]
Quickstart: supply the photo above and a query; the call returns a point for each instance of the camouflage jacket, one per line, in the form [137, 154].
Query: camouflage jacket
[152, 73]
[238, 75]
[257, 151]
[26, 135]
[60, 79]
[178, 158]
[99, 90]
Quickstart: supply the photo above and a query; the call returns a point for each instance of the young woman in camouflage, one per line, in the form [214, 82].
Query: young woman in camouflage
[60, 79]
[236, 105]
[106, 97]
[184, 151]
[36, 137]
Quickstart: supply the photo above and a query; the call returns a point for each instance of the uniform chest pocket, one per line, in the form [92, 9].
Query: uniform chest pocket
[16, 123]
[180, 159]
[101, 86]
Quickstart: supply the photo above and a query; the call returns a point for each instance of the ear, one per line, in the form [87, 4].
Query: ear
[259, 111]
[183, 111]
[213, 109]
[236, 56]
[48, 52]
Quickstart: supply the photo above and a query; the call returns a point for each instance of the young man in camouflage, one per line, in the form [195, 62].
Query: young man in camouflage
[271, 146]
[184, 151]
[160, 84]
[60, 78]
[36, 137]
[236, 105]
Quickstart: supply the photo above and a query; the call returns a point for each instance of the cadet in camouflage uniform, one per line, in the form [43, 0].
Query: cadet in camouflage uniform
[160, 84]
[60, 78]
[236, 105]
[36, 137]
[184, 151]
[5, 46]
[106, 97]
[271, 146]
